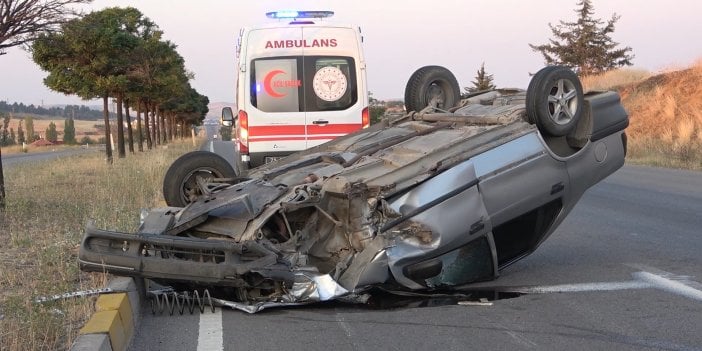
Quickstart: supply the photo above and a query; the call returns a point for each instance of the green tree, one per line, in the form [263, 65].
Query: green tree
[376, 109]
[69, 131]
[52, 133]
[90, 58]
[482, 82]
[585, 45]
[20, 133]
[158, 87]
[4, 132]
[29, 125]
[184, 111]
[376, 113]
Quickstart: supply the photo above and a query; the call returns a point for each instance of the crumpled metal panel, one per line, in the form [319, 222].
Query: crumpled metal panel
[239, 203]
[309, 287]
[448, 206]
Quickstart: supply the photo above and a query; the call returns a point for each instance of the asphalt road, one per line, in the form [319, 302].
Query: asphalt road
[13, 159]
[221, 148]
[623, 272]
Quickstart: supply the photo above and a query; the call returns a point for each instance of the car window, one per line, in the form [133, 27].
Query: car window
[303, 83]
[275, 86]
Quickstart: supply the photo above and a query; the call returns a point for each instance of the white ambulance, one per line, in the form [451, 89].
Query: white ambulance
[301, 81]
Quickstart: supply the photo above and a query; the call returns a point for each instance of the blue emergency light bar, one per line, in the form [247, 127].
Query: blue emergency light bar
[299, 14]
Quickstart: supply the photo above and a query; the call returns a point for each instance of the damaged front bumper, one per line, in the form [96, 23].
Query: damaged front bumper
[216, 262]
[204, 262]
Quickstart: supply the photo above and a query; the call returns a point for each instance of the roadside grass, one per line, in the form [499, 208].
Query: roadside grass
[665, 112]
[47, 206]
[616, 78]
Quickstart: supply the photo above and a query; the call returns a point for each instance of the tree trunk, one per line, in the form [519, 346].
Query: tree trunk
[140, 138]
[167, 131]
[176, 127]
[164, 127]
[171, 125]
[106, 115]
[130, 134]
[2, 186]
[147, 125]
[120, 129]
[157, 125]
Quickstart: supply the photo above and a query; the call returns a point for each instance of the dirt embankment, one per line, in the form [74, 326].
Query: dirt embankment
[665, 112]
[667, 106]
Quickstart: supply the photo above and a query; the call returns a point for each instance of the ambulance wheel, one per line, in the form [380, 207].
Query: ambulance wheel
[180, 183]
[428, 83]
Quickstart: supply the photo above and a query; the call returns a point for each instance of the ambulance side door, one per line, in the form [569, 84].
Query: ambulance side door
[277, 117]
[332, 83]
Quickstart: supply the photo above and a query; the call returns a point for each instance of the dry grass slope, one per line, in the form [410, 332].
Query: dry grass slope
[47, 206]
[665, 112]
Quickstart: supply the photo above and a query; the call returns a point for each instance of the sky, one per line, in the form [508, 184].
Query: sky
[399, 37]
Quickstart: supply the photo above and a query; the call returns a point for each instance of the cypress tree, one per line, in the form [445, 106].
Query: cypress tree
[585, 45]
[52, 133]
[69, 131]
[483, 81]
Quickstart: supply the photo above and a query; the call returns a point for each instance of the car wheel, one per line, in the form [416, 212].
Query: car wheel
[431, 82]
[554, 100]
[180, 183]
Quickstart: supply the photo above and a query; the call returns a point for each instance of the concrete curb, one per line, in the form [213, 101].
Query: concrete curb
[116, 319]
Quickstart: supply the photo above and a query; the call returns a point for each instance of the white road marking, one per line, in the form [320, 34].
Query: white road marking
[347, 330]
[668, 282]
[604, 286]
[344, 326]
[210, 335]
[678, 287]
[211, 146]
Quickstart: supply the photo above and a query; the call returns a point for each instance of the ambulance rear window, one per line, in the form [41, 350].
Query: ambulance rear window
[303, 83]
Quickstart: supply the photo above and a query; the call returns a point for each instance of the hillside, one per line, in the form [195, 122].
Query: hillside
[665, 112]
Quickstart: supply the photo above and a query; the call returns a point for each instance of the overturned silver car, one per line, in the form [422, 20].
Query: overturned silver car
[432, 200]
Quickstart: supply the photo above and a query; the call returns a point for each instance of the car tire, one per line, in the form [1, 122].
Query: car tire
[180, 181]
[555, 100]
[428, 82]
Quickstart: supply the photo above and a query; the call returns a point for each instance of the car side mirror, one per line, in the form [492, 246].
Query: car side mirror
[228, 118]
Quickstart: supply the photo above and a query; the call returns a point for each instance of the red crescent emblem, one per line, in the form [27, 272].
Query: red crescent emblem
[267, 83]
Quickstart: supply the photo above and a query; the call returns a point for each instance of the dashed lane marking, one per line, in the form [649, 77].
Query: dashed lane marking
[210, 335]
